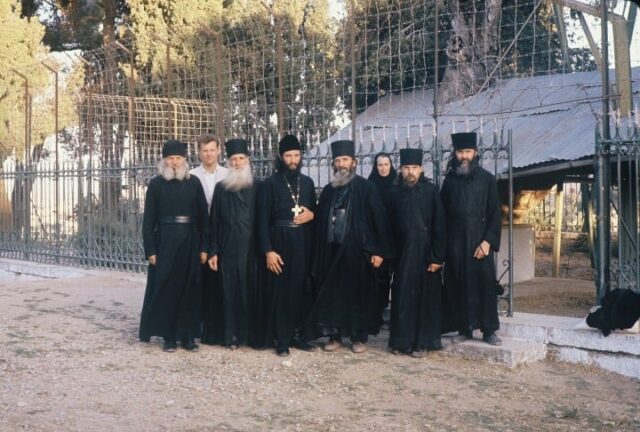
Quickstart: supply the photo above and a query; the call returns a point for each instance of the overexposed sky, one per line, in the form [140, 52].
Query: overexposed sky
[595, 27]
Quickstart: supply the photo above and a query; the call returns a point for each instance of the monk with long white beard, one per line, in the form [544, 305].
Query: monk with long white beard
[232, 252]
[175, 233]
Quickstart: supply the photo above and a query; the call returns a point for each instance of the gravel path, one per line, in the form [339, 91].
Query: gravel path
[70, 361]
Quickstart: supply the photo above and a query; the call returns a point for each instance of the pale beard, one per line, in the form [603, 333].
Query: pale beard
[238, 178]
[180, 172]
[463, 168]
[342, 177]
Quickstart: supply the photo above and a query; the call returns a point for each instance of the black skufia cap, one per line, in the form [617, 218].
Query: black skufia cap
[174, 147]
[464, 140]
[343, 148]
[287, 143]
[411, 156]
[235, 146]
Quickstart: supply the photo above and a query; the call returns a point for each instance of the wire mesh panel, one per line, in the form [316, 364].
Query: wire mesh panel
[386, 73]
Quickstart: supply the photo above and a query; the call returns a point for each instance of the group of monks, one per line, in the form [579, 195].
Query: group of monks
[234, 261]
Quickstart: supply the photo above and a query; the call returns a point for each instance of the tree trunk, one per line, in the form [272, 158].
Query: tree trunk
[112, 132]
[471, 47]
[6, 212]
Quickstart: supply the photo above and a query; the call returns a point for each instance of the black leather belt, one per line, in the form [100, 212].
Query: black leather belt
[175, 220]
[284, 223]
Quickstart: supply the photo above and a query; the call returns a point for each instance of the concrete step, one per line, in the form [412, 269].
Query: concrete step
[560, 331]
[511, 353]
[38, 270]
[619, 352]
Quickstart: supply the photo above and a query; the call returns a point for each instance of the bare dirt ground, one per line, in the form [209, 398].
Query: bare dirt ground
[571, 294]
[70, 361]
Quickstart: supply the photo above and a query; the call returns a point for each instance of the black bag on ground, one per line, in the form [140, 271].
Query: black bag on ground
[620, 310]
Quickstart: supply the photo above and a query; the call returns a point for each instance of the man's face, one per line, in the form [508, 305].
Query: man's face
[174, 161]
[411, 173]
[238, 161]
[344, 162]
[465, 156]
[291, 159]
[384, 166]
[209, 153]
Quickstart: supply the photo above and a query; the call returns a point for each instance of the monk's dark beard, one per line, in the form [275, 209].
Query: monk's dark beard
[178, 173]
[407, 182]
[286, 170]
[342, 176]
[463, 169]
[238, 178]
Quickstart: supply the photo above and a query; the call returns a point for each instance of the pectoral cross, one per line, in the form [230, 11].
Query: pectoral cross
[296, 210]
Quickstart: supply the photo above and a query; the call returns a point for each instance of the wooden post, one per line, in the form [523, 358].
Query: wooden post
[557, 236]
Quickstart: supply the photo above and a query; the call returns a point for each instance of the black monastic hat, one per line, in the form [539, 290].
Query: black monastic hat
[411, 156]
[288, 142]
[235, 146]
[174, 147]
[464, 140]
[343, 148]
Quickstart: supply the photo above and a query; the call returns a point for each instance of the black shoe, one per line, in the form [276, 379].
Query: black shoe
[492, 339]
[404, 351]
[282, 351]
[170, 346]
[462, 336]
[190, 345]
[301, 344]
[421, 353]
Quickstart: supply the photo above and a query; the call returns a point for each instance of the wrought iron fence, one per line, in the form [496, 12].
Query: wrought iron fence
[573, 215]
[618, 207]
[71, 215]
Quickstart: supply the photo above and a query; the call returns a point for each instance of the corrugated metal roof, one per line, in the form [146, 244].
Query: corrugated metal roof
[552, 117]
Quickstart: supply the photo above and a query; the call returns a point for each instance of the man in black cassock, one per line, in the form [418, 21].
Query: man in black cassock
[352, 239]
[470, 198]
[418, 222]
[175, 231]
[286, 204]
[232, 252]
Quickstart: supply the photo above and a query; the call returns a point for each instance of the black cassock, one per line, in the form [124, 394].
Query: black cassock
[418, 222]
[473, 215]
[171, 307]
[347, 302]
[289, 294]
[232, 220]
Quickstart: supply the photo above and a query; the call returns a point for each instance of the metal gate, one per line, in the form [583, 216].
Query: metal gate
[618, 196]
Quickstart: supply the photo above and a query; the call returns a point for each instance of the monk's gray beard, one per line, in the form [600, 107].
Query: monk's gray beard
[463, 169]
[342, 177]
[410, 181]
[178, 173]
[238, 178]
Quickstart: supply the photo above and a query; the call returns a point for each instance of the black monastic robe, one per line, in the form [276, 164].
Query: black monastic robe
[289, 294]
[473, 215]
[418, 223]
[232, 221]
[346, 302]
[171, 307]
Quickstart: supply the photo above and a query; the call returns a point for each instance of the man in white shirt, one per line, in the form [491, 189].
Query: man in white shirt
[209, 172]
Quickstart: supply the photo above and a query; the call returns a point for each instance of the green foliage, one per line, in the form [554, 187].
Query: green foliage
[74, 24]
[248, 34]
[19, 46]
